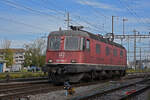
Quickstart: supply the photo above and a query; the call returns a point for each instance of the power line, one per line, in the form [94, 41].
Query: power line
[28, 9]
[17, 22]
[97, 11]
[94, 26]
[131, 11]
[22, 7]
[58, 11]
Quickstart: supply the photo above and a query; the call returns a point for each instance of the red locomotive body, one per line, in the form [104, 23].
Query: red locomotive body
[75, 55]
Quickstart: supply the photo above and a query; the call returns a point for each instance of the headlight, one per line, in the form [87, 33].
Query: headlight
[50, 61]
[73, 61]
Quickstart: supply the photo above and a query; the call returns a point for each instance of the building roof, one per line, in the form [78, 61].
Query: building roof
[13, 50]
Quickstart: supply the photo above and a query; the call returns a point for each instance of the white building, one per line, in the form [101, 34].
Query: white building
[18, 56]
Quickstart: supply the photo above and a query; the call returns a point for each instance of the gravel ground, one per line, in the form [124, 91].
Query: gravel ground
[60, 95]
[143, 96]
[118, 94]
[79, 91]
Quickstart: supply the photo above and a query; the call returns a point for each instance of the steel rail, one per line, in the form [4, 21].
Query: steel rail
[107, 90]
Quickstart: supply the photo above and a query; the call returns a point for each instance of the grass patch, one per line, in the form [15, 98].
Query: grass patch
[15, 75]
[137, 70]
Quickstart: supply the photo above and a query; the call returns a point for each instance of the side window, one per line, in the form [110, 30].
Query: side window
[115, 52]
[98, 47]
[82, 46]
[121, 53]
[107, 51]
[88, 44]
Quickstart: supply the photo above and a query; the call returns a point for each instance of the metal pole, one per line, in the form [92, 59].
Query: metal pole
[112, 24]
[123, 29]
[68, 20]
[123, 26]
[140, 60]
[128, 49]
[134, 48]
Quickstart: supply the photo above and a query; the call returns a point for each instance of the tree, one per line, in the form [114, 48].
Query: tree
[35, 53]
[5, 44]
[8, 53]
[27, 56]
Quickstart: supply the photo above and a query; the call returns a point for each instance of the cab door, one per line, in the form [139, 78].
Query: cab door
[87, 50]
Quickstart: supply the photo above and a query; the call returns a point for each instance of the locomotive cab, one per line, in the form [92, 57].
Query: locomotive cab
[66, 49]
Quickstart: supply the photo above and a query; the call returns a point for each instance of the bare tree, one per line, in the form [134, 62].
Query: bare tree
[5, 44]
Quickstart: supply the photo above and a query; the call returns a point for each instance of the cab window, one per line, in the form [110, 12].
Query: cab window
[54, 43]
[88, 44]
[107, 49]
[98, 48]
[115, 52]
[72, 43]
[121, 53]
[82, 46]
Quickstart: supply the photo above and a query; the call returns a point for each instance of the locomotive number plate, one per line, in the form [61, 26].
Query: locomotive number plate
[61, 54]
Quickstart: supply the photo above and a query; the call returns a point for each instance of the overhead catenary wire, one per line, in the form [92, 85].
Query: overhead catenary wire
[22, 7]
[27, 8]
[83, 20]
[132, 12]
[99, 13]
[17, 22]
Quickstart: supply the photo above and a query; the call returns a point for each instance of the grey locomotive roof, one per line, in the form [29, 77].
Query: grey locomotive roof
[69, 33]
[84, 34]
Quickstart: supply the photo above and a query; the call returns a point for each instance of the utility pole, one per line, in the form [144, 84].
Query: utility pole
[68, 20]
[128, 50]
[140, 60]
[134, 48]
[124, 25]
[123, 33]
[112, 24]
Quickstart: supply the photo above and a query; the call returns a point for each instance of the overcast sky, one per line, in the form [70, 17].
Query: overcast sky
[22, 21]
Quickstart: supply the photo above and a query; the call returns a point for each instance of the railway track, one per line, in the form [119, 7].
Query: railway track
[23, 89]
[10, 91]
[117, 91]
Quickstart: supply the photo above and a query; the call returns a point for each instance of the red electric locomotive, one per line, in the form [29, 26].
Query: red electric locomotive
[74, 55]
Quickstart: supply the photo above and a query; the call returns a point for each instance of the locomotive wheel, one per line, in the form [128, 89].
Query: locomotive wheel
[109, 74]
[99, 75]
[103, 74]
[117, 73]
[122, 73]
[86, 77]
[93, 75]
